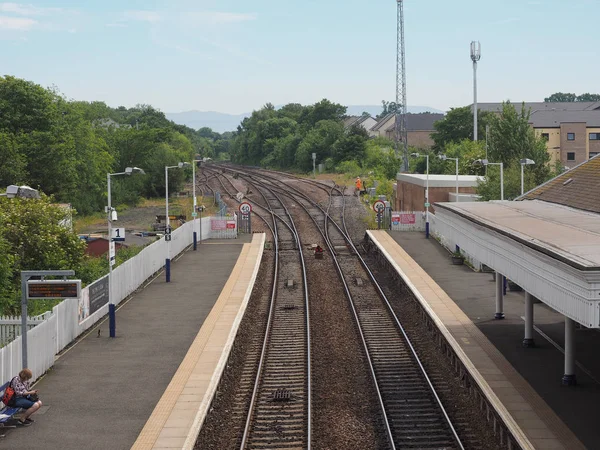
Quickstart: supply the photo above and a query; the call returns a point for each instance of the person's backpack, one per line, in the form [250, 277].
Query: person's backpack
[9, 395]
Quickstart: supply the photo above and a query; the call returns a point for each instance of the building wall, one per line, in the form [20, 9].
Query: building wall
[592, 146]
[411, 197]
[418, 139]
[578, 146]
[553, 143]
[381, 132]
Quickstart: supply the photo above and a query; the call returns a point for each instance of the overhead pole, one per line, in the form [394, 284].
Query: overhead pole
[401, 131]
[475, 57]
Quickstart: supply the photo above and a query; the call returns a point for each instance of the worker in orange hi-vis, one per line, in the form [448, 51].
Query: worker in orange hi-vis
[358, 185]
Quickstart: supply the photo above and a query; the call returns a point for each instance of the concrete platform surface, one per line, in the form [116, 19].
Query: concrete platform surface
[180, 412]
[543, 366]
[101, 391]
[524, 410]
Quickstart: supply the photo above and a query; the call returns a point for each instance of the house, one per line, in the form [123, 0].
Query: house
[410, 190]
[365, 121]
[419, 128]
[571, 129]
[97, 243]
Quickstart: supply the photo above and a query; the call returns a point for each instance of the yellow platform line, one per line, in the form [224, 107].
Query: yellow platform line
[179, 414]
[507, 383]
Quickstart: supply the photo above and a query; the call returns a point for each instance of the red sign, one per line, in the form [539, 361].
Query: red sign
[407, 219]
[230, 225]
[217, 224]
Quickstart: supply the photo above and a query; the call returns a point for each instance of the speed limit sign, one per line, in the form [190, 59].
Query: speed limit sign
[379, 206]
[245, 208]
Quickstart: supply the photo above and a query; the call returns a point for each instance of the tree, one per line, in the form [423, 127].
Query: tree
[352, 146]
[457, 126]
[388, 107]
[561, 97]
[33, 238]
[588, 98]
[511, 140]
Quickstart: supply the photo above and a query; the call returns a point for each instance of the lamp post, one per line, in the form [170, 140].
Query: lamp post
[525, 162]
[445, 158]
[475, 56]
[195, 236]
[111, 214]
[485, 162]
[418, 155]
[168, 226]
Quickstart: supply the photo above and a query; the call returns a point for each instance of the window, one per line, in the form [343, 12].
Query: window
[571, 156]
[594, 136]
[546, 136]
[570, 136]
[592, 154]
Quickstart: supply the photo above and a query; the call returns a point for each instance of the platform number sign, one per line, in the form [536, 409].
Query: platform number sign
[118, 234]
[245, 208]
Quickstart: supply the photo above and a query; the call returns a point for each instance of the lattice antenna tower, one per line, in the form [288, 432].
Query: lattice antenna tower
[401, 131]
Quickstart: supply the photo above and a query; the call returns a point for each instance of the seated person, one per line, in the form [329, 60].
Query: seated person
[23, 398]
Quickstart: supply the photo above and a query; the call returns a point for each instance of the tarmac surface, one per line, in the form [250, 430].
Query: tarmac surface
[542, 366]
[100, 392]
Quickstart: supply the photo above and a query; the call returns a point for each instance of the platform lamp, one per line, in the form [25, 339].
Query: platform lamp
[195, 208]
[475, 57]
[111, 214]
[485, 162]
[418, 155]
[180, 165]
[525, 162]
[445, 158]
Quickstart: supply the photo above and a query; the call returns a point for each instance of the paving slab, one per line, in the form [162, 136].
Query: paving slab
[101, 392]
[542, 366]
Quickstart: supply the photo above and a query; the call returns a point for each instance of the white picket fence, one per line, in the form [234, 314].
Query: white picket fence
[60, 327]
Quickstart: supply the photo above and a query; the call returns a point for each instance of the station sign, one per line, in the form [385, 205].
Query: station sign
[245, 208]
[47, 289]
[379, 206]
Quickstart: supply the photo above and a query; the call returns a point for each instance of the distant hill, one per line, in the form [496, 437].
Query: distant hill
[221, 122]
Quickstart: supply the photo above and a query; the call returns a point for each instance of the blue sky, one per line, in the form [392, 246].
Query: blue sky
[233, 56]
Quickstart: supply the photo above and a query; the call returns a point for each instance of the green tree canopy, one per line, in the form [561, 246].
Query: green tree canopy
[457, 126]
[569, 97]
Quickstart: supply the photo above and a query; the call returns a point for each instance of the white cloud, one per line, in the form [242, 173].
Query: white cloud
[16, 23]
[143, 16]
[27, 10]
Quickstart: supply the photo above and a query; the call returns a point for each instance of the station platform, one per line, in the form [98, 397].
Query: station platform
[462, 303]
[101, 391]
[180, 412]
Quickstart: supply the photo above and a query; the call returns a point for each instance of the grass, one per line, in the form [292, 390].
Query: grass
[86, 222]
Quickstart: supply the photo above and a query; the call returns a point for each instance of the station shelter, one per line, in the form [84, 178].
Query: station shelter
[547, 242]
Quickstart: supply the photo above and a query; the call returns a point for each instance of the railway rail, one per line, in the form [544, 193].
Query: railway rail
[412, 412]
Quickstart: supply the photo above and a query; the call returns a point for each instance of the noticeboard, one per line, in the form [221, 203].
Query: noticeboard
[45, 289]
[94, 297]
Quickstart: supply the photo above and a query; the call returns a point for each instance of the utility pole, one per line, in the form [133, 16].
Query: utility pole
[475, 56]
[401, 132]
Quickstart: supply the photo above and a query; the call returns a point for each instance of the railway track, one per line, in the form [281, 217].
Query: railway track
[413, 414]
[278, 414]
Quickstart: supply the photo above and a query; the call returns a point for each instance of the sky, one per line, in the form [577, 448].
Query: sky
[234, 56]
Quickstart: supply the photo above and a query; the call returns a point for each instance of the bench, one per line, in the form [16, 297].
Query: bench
[7, 412]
